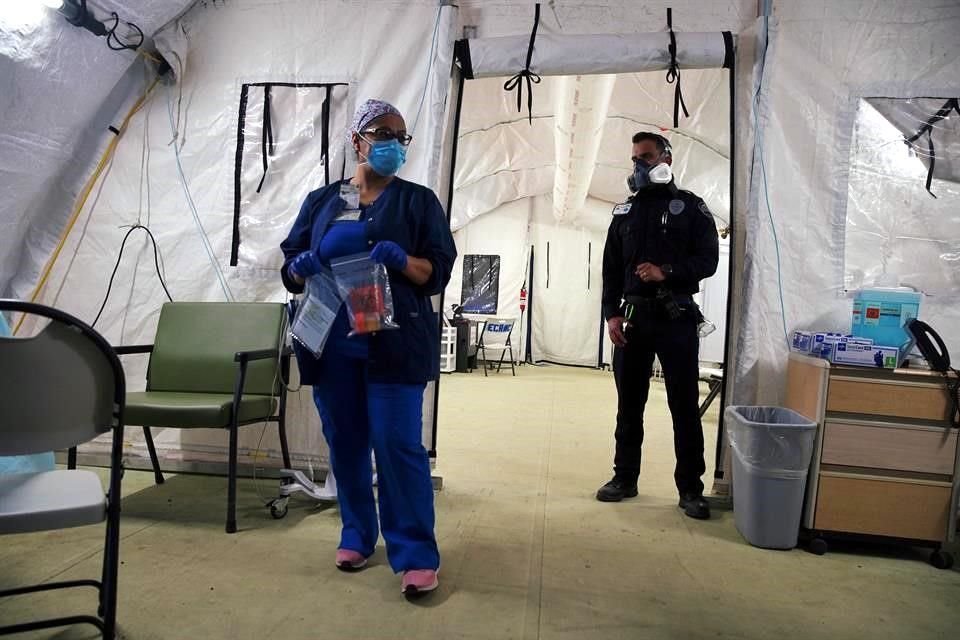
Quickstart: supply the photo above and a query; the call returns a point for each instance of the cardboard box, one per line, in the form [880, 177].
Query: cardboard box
[865, 355]
[822, 344]
[802, 341]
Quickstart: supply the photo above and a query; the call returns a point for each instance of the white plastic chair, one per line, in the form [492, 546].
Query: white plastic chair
[60, 388]
[495, 336]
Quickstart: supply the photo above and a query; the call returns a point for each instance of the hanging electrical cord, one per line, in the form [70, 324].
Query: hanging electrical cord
[256, 456]
[426, 80]
[156, 263]
[205, 240]
[758, 151]
[78, 14]
[115, 43]
[82, 198]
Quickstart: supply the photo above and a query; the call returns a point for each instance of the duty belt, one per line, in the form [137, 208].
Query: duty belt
[643, 302]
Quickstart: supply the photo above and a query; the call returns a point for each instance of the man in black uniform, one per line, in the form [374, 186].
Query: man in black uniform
[661, 243]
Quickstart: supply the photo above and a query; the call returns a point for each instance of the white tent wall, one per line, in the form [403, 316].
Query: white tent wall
[567, 277]
[822, 58]
[62, 88]
[227, 45]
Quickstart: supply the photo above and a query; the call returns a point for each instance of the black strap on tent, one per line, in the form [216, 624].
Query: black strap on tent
[589, 262]
[673, 75]
[325, 135]
[927, 128]
[516, 82]
[266, 138]
[548, 265]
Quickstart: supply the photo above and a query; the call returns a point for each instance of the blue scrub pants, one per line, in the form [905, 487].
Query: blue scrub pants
[358, 415]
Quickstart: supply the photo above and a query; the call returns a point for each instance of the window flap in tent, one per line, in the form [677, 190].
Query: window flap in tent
[910, 116]
[555, 55]
[291, 139]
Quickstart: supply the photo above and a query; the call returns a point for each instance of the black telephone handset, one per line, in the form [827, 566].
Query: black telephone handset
[936, 355]
[939, 360]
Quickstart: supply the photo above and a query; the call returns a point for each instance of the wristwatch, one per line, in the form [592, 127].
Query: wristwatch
[667, 269]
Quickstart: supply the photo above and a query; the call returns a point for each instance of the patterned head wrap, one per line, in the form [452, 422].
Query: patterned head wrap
[370, 111]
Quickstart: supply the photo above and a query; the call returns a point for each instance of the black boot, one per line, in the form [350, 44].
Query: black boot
[616, 490]
[694, 505]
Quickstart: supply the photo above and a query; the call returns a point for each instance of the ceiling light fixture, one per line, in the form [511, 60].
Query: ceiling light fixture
[77, 14]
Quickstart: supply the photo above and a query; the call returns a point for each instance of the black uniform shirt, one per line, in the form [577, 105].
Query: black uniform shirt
[664, 225]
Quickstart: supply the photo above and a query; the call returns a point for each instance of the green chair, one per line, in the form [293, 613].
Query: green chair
[214, 365]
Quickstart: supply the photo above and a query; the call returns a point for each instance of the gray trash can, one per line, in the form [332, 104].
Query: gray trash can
[772, 448]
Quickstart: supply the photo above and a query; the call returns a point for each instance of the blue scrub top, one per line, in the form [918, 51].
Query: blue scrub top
[410, 215]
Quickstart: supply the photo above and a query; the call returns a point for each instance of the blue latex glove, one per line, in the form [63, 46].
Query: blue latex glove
[306, 264]
[390, 255]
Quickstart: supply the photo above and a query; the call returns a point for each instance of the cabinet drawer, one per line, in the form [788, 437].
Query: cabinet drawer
[874, 397]
[875, 506]
[924, 450]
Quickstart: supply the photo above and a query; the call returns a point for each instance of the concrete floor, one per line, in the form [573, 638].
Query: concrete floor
[527, 552]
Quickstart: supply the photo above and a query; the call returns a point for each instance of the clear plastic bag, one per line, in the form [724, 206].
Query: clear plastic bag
[316, 312]
[365, 288]
[771, 441]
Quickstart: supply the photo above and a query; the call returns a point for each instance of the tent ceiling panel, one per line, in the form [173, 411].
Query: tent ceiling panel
[581, 104]
[486, 105]
[490, 193]
[510, 148]
[496, 141]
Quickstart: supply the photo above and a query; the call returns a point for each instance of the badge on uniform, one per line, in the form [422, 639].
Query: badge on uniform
[677, 207]
[622, 209]
[351, 204]
[704, 210]
[350, 195]
[348, 215]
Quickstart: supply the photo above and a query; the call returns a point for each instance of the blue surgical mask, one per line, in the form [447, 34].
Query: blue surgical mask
[386, 157]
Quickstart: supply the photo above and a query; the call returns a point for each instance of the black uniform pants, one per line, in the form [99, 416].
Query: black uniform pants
[677, 345]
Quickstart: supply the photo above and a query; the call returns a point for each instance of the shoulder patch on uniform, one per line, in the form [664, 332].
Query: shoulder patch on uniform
[622, 209]
[703, 209]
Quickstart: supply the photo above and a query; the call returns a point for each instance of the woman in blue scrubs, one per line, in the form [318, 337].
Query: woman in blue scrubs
[369, 388]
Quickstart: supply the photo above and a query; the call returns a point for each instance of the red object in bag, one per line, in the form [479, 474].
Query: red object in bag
[368, 299]
[368, 308]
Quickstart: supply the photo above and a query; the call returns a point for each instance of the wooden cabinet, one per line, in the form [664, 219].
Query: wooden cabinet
[885, 462]
[876, 505]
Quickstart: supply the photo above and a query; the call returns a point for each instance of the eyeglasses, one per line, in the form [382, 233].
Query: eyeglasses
[649, 157]
[383, 134]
